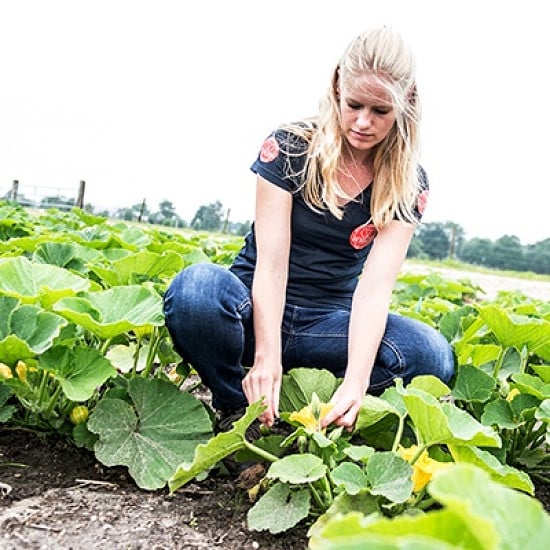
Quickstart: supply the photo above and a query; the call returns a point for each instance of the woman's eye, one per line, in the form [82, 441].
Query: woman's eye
[381, 110]
[354, 106]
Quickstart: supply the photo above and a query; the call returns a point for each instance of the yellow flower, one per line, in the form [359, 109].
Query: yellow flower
[5, 371]
[424, 468]
[512, 394]
[312, 415]
[21, 370]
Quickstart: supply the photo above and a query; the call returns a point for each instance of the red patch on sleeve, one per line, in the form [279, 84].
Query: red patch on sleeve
[422, 201]
[362, 236]
[270, 150]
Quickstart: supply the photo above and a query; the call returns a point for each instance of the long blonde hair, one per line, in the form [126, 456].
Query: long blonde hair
[383, 54]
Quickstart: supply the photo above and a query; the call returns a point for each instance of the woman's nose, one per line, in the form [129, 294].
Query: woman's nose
[365, 118]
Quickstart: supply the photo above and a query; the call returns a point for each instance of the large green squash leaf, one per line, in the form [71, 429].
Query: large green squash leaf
[25, 330]
[280, 509]
[153, 434]
[79, 370]
[112, 312]
[300, 384]
[209, 454]
[32, 282]
[519, 520]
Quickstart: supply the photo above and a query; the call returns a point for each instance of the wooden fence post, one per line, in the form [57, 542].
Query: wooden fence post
[14, 190]
[142, 209]
[80, 199]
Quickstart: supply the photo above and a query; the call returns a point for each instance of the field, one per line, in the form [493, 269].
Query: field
[60, 497]
[72, 341]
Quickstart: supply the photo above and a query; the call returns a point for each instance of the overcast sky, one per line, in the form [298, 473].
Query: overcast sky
[166, 99]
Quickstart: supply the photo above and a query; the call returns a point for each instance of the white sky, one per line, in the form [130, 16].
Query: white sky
[166, 99]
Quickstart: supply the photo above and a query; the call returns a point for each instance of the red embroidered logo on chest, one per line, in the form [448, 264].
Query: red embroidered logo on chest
[270, 150]
[362, 236]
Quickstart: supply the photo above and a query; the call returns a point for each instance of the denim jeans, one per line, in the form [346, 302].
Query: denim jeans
[209, 311]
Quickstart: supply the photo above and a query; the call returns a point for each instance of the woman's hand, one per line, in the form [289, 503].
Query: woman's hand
[264, 381]
[347, 401]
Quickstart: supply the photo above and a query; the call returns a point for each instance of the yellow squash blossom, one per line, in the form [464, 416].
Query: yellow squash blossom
[512, 394]
[21, 370]
[312, 415]
[5, 371]
[424, 467]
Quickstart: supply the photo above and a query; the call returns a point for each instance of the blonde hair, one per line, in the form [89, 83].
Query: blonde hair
[383, 54]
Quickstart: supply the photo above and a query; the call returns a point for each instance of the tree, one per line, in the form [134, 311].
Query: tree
[435, 240]
[476, 251]
[537, 257]
[208, 217]
[507, 253]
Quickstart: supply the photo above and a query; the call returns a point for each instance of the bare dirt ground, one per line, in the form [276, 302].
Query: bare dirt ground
[56, 496]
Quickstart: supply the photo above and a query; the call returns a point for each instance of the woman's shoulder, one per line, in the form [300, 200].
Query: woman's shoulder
[295, 137]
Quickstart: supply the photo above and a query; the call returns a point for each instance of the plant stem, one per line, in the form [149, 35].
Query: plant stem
[53, 400]
[421, 449]
[317, 497]
[499, 362]
[105, 346]
[398, 434]
[260, 452]
[153, 347]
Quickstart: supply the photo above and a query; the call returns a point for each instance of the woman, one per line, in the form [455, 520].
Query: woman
[338, 198]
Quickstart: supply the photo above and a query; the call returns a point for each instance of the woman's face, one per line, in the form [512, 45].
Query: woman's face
[366, 111]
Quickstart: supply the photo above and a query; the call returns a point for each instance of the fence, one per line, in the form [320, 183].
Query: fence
[46, 197]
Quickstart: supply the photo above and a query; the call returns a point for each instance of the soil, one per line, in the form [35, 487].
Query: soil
[54, 495]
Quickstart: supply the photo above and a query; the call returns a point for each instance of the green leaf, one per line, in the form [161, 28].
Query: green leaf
[532, 385]
[115, 311]
[444, 422]
[25, 330]
[300, 384]
[297, 469]
[32, 282]
[390, 476]
[149, 264]
[472, 384]
[519, 520]
[543, 412]
[344, 503]
[207, 455]
[279, 509]
[359, 453]
[79, 370]
[543, 371]
[6, 411]
[499, 413]
[502, 473]
[372, 410]
[430, 384]
[159, 430]
[350, 476]
[517, 331]
[441, 530]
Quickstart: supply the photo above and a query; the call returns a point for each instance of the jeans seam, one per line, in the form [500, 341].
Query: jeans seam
[400, 369]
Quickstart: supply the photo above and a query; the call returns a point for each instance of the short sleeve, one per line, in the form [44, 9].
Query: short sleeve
[281, 160]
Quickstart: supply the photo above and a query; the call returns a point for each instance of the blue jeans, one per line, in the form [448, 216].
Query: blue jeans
[209, 311]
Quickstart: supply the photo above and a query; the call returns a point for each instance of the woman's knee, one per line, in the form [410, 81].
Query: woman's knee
[423, 349]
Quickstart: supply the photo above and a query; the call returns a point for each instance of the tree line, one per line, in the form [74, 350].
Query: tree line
[446, 240]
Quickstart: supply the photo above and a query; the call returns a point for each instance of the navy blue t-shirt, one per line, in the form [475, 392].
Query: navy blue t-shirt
[326, 254]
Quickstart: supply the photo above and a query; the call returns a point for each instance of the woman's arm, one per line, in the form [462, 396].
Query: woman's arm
[369, 313]
[272, 227]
